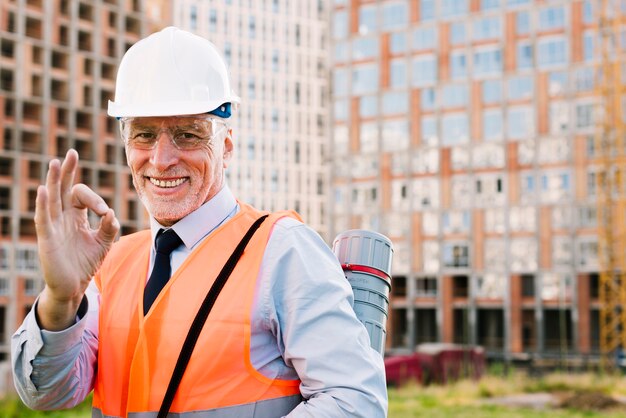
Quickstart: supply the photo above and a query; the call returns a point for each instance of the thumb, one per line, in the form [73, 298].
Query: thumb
[109, 227]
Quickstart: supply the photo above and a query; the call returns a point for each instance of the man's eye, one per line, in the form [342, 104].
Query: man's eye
[143, 136]
[187, 136]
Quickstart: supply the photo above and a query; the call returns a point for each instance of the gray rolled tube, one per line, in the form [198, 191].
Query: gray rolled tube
[366, 260]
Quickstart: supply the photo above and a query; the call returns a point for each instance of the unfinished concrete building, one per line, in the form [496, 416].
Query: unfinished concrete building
[58, 61]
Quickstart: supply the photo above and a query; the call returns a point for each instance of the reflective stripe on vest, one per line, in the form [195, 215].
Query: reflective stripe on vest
[270, 408]
[137, 353]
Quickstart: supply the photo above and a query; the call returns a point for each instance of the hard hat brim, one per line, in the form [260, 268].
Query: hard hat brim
[165, 109]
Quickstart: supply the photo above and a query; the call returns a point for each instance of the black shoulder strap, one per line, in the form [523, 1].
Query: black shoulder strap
[201, 317]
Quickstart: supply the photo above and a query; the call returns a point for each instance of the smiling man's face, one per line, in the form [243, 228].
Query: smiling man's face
[172, 181]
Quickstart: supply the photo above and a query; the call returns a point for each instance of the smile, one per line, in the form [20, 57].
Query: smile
[167, 183]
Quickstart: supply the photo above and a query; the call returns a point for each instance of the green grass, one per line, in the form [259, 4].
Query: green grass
[14, 408]
[463, 399]
[467, 399]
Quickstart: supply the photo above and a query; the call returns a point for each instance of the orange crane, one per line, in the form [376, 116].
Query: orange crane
[611, 195]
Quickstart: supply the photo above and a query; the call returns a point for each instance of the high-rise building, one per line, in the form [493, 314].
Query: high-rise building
[58, 61]
[277, 55]
[465, 131]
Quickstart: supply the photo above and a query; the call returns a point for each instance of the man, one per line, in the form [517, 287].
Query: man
[282, 338]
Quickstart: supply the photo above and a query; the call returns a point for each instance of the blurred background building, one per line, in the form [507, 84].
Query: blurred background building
[465, 130]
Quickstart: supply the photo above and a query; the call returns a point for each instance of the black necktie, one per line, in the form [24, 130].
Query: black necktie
[166, 242]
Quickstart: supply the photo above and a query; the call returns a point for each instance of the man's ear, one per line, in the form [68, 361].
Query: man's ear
[228, 147]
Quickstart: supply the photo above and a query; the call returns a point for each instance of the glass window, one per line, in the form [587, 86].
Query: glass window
[454, 129]
[340, 139]
[453, 7]
[457, 33]
[587, 254]
[367, 19]
[584, 79]
[584, 115]
[588, 41]
[487, 28]
[522, 22]
[365, 79]
[193, 18]
[427, 9]
[341, 110]
[455, 95]
[340, 24]
[398, 73]
[555, 186]
[492, 125]
[488, 155]
[455, 221]
[213, 20]
[365, 48]
[368, 106]
[524, 55]
[488, 61]
[558, 118]
[492, 91]
[523, 255]
[398, 42]
[252, 27]
[395, 103]
[551, 18]
[368, 137]
[424, 38]
[424, 71]
[26, 259]
[430, 256]
[341, 82]
[395, 135]
[461, 191]
[489, 4]
[521, 87]
[517, 2]
[588, 16]
[428, 99]
[557, 83]
[425, 192]
[341, 53]
[429, 131]
[522, 218]
[455, 255]
[460, 158]
[494, 261]
[520, 122]
[552, 51]
[458, 65]
[395, 15]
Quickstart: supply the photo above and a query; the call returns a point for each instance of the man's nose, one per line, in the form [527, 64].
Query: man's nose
[165, 154]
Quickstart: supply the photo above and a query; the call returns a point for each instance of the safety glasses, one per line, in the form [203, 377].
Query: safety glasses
[186, 132]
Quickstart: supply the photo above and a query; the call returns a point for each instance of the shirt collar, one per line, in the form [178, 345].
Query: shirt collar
[199, 223]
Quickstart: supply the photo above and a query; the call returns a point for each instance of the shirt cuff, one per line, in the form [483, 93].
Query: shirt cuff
[59, 342]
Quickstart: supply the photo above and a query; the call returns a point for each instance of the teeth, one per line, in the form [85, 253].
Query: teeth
[169, 183]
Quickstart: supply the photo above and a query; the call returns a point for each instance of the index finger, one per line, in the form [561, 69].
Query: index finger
[68, 171]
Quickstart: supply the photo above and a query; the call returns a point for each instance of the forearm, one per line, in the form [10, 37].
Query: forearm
[55, 314]
[54, 370]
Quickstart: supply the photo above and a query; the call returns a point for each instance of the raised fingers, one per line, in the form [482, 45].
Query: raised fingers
[82, 197]
[68, 170]
[109, 226]
[53, 189]
[42, 215]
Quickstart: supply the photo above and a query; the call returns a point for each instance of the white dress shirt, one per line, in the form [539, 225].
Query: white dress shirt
[303, 326]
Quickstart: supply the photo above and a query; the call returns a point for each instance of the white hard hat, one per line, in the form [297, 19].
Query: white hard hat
[172, 72]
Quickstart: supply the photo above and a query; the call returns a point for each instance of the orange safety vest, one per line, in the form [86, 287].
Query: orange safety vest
[137, 354]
